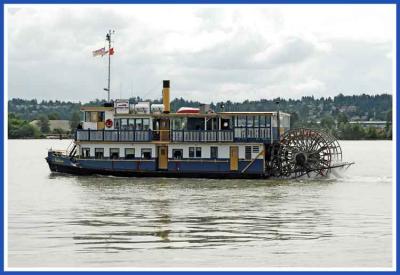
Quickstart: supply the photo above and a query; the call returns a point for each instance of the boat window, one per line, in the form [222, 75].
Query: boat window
[256, 121]
[114, 153]
[129, 153]
[256, 149]
[195, 123]
[91, 116]
[177, 153]
[212, 124]
[146, 124]
[198, 152]
[139, 124]
[268, 121]
[146, 153]
[116, 123]
[178, 123]
[191, 152]
[94, 116]
[131, 124]
[194, 152]
[247, 152]
[241, 121]
[99, 153]
[214, 152]
[101, 116]
[86, 152]
[263, 121]
[124, 124]
[250, 121]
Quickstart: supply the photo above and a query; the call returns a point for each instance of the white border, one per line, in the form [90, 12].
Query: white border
[5, 137]
[394, 141]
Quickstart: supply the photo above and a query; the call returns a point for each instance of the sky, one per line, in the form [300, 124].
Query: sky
[209, 53]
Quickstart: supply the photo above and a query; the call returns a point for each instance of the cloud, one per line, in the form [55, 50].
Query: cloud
[210, 52]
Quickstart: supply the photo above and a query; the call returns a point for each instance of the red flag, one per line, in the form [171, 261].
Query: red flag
[111, 51]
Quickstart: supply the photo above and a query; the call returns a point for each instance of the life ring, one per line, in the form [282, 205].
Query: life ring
[109, 123]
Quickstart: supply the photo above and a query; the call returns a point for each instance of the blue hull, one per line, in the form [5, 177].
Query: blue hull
[148, 168]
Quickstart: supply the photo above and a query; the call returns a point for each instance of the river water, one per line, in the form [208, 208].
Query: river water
[57, 220]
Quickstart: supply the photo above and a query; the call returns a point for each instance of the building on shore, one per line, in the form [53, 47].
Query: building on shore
[372, 124]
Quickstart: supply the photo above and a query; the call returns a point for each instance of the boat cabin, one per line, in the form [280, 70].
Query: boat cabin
[159, 139]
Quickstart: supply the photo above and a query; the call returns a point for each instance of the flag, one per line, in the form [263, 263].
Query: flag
[111, 51]
[101, 52]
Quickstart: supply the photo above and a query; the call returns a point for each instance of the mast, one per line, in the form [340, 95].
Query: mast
[108, 38]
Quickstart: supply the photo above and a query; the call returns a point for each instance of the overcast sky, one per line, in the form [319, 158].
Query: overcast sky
[209, 52]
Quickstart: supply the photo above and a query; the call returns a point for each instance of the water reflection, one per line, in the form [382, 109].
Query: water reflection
[131, 214]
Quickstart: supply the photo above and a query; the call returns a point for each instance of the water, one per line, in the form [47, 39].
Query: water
[57, 220]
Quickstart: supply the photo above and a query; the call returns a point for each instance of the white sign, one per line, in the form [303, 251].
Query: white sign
[122, 106]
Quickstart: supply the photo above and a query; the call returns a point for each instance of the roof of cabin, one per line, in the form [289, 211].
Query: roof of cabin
[252, 113]
[101, 108]
[96, 108]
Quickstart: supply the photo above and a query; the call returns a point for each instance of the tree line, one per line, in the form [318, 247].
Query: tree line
[331, 113]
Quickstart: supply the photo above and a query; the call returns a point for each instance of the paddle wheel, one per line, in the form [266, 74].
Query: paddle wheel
[306, 152]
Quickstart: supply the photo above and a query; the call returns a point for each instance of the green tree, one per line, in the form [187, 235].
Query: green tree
[58, 131]
[44, 124]
[18, 128]
[294, 120]
[371, 133]
[327, 123]
[342, 118]
[54, 116]
[74, 121]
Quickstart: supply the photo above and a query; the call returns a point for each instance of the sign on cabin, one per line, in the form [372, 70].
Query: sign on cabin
[122, 106]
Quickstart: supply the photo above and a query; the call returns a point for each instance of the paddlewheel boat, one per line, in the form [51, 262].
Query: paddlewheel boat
[147, 140]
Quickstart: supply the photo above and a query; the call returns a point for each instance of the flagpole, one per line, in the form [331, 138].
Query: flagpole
[108, 37]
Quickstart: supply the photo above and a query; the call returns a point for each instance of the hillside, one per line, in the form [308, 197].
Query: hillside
[307, 111]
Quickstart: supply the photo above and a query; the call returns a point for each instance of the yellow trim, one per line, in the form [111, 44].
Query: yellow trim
[162, 158]
[165, 99]
[234, 158]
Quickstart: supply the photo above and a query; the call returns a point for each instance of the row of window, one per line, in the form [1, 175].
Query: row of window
[132, 123]
[252, 121]
[145, 153]
[194, 152]
[181, 123]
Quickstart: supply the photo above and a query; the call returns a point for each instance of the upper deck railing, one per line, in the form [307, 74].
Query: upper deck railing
[113, 135]
[238, 134]
[202, 136]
